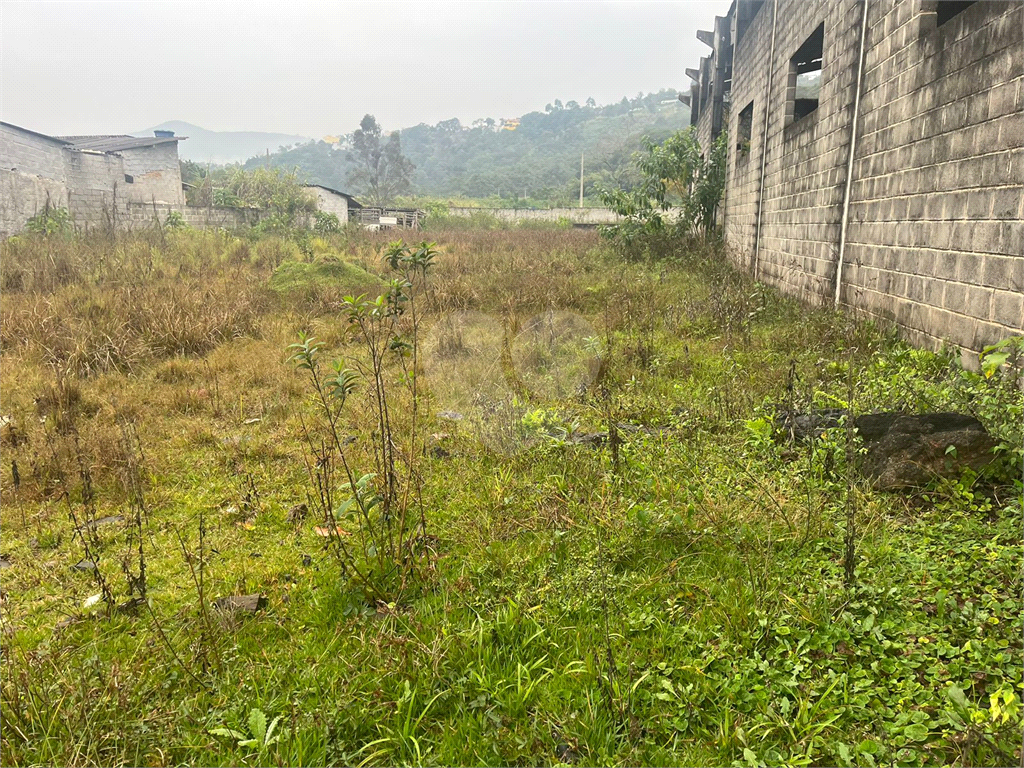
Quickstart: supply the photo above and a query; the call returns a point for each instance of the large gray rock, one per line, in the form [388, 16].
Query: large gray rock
[908, 451]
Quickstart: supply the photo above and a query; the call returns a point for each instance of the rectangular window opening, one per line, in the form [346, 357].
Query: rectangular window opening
[805, 76]
[947, 10]
[744, 129]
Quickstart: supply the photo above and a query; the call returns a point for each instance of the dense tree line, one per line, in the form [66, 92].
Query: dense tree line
[537, 160]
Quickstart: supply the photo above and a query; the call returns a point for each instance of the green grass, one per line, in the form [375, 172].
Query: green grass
[299, 276]
[688, 608]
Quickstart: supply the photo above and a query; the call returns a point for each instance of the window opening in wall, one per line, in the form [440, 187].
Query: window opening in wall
[743, 130]
[129, 179]
[805, 76]
[946, 10]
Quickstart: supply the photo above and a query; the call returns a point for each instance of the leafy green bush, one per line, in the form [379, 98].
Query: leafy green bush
[673, 174]
[50, 221]
[325, 223]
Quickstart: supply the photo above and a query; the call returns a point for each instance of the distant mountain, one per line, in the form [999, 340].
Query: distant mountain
[205, 146]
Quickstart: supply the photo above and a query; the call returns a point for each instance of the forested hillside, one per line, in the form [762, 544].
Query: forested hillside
[536, 156]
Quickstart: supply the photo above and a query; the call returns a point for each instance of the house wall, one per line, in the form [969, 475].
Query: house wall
[155, 172]
[31, 175]
[331, 203]
[935, 240]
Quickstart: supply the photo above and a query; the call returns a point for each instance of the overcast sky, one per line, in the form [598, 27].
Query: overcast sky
[315, 68]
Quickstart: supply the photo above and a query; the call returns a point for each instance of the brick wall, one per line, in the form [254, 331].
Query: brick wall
[935, 239]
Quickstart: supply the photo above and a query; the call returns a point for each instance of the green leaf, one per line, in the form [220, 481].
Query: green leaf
[269, 738]
[916, 732]
[231, 734]
[868, 747]
[956, 695]
[258, 725]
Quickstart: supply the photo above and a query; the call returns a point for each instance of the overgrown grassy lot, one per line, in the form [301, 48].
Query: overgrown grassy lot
[674, 593]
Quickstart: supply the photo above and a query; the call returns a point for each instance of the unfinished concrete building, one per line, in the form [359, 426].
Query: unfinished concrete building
[97, 178]
[876, 156]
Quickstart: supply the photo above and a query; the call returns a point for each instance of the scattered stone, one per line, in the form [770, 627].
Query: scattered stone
[131, 605]
[240, 604]
[589, 438]
[298, 513]
[810, 425]
[437, 449]
[4, 563]
[108, 520]
[907, 451]
[85, 566]
[450, 415]
[66, 622]
[565, 754]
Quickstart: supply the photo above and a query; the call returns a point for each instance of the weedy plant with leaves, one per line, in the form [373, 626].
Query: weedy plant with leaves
[383, 508]
[261, 736]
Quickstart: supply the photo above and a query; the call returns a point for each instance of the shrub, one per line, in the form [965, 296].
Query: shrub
[50, 221]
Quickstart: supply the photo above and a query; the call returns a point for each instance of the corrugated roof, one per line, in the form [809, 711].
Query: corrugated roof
[355, 203]
[116, 143]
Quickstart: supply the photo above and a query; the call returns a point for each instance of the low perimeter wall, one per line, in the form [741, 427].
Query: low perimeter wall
[575, 215]
[150, 214]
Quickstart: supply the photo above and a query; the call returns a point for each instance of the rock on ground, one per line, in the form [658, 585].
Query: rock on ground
[907, 451]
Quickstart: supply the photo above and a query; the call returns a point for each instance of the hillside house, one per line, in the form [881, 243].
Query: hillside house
[97, 178]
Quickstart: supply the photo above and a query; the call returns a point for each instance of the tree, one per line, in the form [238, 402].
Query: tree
[674, 172]
[591, 103]
[381, 171]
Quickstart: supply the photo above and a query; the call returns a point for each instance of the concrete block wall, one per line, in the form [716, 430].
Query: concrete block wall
[935, 239]
[31, 176]
[23, 195]
[95, 182]
[743, 165]
[936, 228]
[140, 215]
[805, 170]
[575, 215]
[31, 153]
[155, 174]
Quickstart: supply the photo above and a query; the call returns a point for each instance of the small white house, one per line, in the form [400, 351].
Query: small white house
[332, 201]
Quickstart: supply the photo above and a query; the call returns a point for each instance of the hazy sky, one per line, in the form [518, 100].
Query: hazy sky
[315, 68]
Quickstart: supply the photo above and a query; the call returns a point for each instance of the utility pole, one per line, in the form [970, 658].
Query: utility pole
[581, 179]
